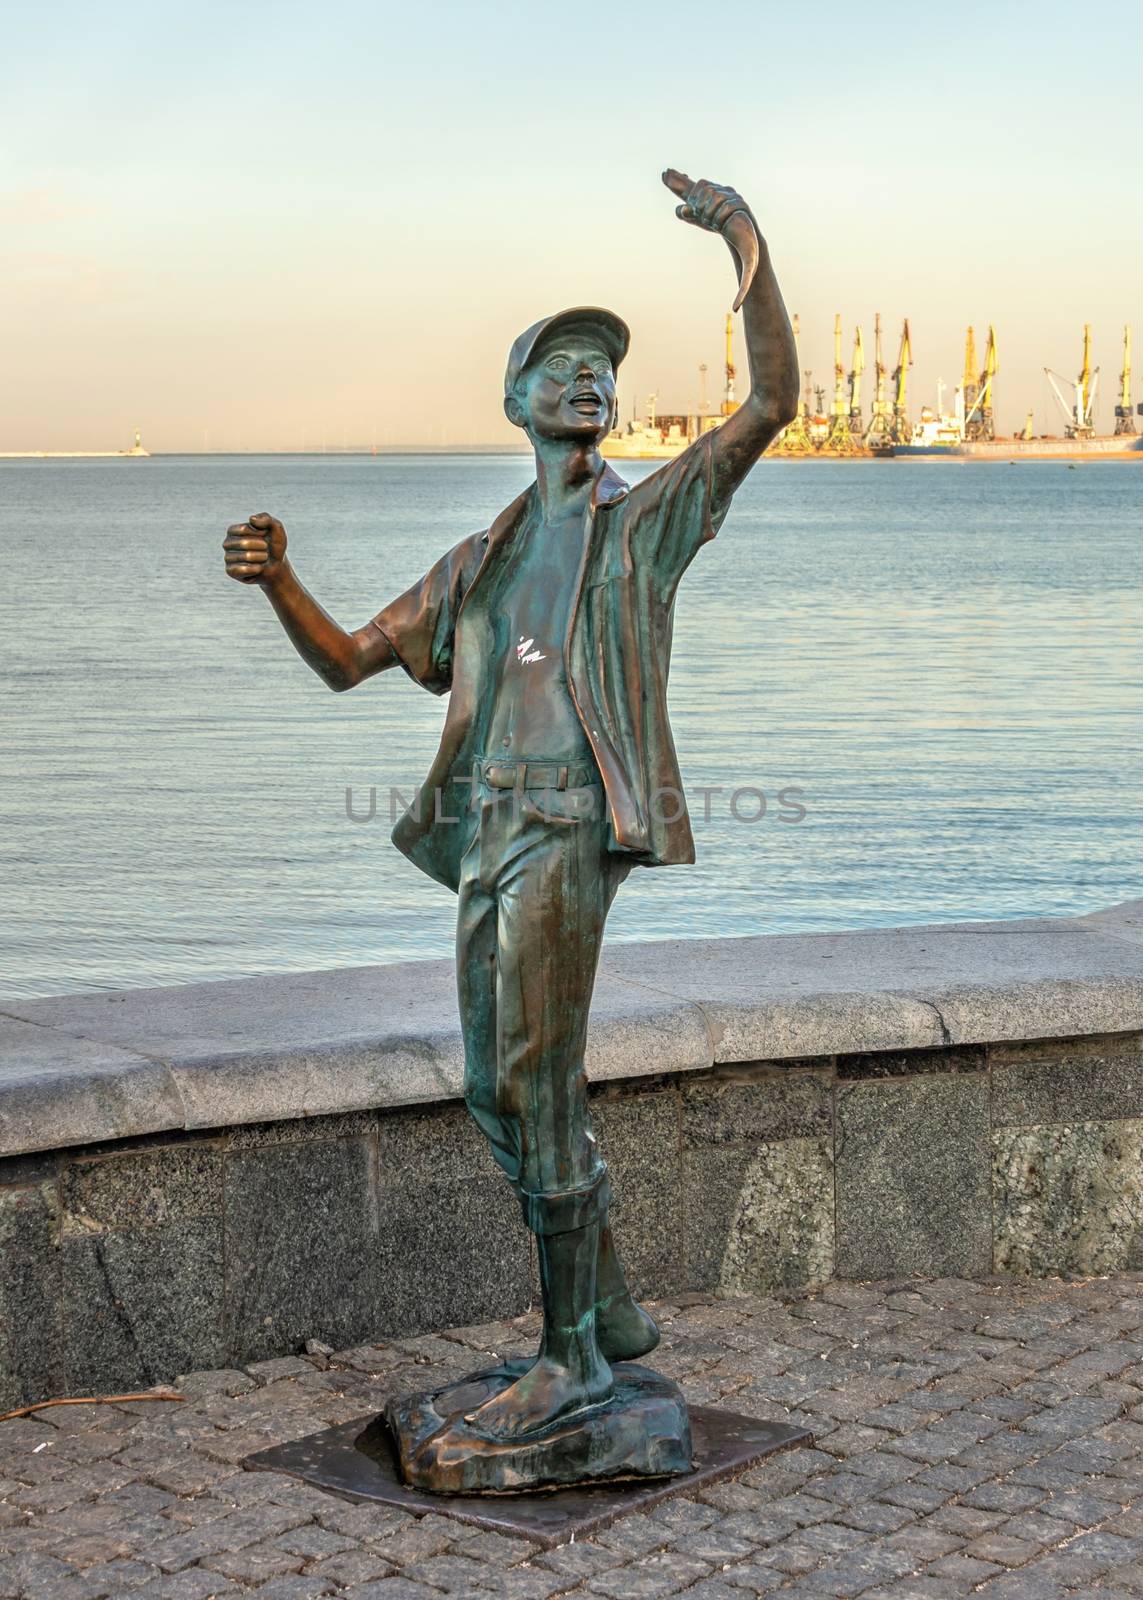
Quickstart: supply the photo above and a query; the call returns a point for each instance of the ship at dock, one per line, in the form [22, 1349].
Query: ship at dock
[968, 432]
[844, 430]
[661, 437]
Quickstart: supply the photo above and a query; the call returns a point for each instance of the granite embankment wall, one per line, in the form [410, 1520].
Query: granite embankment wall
[200, 1176]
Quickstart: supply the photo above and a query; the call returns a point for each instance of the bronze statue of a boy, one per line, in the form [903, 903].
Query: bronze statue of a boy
[552, 634]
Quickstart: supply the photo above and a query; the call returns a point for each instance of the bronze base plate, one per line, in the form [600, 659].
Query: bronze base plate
[358, 1461]
[641, 1431]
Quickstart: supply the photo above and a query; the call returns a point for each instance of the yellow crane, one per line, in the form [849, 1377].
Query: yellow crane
[879, 432]
[795, 440]
[1124, 416]
[839, 441]
[970, 388]
[729, 403]
[978, 418]
[1085, 384]
[901, 429]
[988, 373]
[1078, 415]
[838, 371]
[855, 374]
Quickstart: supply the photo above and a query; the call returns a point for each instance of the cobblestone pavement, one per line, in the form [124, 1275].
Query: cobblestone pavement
[971, 1438]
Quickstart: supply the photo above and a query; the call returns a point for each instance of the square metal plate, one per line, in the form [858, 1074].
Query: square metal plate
[356, 1460]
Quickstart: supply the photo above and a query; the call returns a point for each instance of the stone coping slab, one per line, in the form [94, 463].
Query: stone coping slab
[85, 1069]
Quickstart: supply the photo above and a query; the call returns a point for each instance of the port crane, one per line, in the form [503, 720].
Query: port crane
[900, 424]
[880, 427]
[1078, 415]
[991, 368]
[795, 440]
[856, 426]
[839, 441]
[1124, 416]
[838, 419]
[977, 390]
[969, 388]
[729, 403]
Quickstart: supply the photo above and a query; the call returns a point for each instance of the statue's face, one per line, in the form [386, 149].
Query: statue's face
[567, 390]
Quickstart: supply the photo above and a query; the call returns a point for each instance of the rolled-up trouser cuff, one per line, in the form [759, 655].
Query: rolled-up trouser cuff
[568, 1210]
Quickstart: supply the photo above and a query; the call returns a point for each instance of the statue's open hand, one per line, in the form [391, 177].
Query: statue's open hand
[719, 209]
[255, 549]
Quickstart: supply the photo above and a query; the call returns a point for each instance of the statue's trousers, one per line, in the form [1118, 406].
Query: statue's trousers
[536, 884]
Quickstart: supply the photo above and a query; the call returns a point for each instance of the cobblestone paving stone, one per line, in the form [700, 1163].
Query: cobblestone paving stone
[971, 1438]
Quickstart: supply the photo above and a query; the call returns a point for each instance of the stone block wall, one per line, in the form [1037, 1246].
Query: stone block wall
[1067, 1153]
[129, 1262]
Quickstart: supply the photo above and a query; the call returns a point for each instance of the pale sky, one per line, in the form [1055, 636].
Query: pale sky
[271, 225]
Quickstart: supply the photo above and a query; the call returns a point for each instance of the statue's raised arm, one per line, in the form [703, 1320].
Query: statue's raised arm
[772, 355]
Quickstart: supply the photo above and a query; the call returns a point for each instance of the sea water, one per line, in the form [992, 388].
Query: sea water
[901, 692]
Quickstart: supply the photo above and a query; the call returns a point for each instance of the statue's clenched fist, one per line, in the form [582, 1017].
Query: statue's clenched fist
[255, 549]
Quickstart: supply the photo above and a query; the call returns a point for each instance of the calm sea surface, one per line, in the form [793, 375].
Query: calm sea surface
[945, 659]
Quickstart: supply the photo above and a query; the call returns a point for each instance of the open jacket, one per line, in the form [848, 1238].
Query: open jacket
[637, 543]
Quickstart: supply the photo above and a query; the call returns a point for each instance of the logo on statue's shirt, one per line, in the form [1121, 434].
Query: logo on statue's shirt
[525, 653]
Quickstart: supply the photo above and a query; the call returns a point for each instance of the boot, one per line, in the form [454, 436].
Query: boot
[624, 1329]
[570, 1372]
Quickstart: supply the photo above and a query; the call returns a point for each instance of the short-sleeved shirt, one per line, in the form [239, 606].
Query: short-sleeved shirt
[637, 543]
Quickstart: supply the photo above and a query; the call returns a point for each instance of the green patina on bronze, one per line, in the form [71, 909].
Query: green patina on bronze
[556, 774]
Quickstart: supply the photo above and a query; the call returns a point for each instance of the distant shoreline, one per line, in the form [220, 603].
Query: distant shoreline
[75, 455]
[306, 455]
[492, 451]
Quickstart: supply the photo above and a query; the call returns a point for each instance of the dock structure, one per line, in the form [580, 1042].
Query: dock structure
[136, 451]
[849, 426]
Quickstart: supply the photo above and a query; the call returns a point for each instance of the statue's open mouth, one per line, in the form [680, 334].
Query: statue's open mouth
[586, 402]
